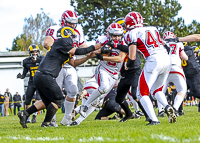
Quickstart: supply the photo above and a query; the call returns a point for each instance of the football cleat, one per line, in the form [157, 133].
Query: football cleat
[181, 113]
[124, 119]
[137, 116]
[53, 123]
[83, 110]
[46, 124]
[170, 113]
[74, 124]
[33, 119]
[23, 116]
[28, 120]
[153, 123]
[161, 114]
[148, 119]
[176, 112]
[65, 121]
[140, 113]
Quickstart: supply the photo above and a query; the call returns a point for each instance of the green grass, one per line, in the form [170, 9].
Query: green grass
[186, 129]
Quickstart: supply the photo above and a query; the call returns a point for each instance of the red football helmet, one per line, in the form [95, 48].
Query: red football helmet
[70, 17]
[168, 34]
[133, 19]
[115, 29]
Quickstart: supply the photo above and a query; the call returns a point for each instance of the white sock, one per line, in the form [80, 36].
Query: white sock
[88, 112]
[160, 106]
[148, 107]
[95, 94]
[177, 101]
[135, 104]
[54, 117]
[68, 108]
[77, 109]
[83, 101]
[160, 96]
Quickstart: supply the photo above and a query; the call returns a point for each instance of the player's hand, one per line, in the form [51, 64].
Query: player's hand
[97, 46]
[99, 56]
[106, 49]
[19, 75]
[125, 66]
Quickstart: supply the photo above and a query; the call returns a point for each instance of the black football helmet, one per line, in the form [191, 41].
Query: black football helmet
[31, 49]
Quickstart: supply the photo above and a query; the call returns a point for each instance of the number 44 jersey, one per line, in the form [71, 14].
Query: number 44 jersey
[147, 39]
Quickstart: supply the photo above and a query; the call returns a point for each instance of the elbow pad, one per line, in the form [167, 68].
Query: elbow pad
[83, 51]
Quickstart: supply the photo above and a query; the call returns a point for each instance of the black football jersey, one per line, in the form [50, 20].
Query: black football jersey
[190, 67]
[56, 57]
[135, 66]
[31, 66]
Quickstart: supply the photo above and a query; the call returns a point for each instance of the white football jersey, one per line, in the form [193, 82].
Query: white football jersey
[79, 37]
[52, 31]
[175, 50]
[111, 67]
[147, 39]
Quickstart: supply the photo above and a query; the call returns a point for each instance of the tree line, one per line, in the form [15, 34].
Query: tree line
[96, 15]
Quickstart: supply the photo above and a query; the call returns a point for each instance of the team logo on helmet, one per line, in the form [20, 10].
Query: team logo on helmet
[66, 32]
[168, 34]
[31, 49]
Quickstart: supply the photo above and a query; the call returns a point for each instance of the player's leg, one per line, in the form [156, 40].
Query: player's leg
[70, 83]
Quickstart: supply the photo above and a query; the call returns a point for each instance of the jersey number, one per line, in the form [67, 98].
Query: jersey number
[152, 41]
[173, 48]
[183, 63]
[112, 63]
[49, 32]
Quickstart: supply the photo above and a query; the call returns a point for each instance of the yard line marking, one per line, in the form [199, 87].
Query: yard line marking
[35, 139]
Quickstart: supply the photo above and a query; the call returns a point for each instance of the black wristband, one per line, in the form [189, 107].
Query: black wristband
[130, 62]
[123, 48]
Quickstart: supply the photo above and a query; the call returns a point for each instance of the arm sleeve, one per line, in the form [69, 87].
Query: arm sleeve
[83, 51]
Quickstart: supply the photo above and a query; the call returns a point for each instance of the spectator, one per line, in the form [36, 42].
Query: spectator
[2, 99]
[17, 102]
[9, 104]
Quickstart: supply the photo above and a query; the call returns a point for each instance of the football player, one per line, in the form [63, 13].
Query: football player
[45, 77]
[155, 72]
[31, 64]
[107, 72]
[176, 74]
[68, 76]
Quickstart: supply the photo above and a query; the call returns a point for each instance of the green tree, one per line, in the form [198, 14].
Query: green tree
[33, 32]
[96, 15]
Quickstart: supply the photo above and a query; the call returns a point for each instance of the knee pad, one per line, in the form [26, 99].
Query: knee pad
[103, 89]
[73, 90]
[58, 103]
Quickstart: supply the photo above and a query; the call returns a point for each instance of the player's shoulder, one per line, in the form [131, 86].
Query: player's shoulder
[187, 48]
[26, 60]
[102, 39]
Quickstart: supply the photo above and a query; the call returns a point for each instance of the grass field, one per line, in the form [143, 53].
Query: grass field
[186, 129]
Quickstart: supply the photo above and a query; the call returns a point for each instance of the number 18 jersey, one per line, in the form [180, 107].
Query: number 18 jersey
[147, 39]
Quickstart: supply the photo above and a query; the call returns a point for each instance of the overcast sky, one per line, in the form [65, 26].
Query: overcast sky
[13, 12]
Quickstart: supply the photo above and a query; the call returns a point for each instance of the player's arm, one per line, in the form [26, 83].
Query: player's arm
[116, 59]
[80, 61]
[190, 38]
[183, 55]
[48, 42]
[83, 51]
[84, 45]
[25, 71]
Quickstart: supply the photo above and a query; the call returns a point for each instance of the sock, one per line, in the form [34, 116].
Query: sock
[88, 112]
[95, 94]
[142, 108]
[32, 109]
[69, 106]
[54, 118]
[51, 111]
[160, 107]
[125, 107]
[177, 101]
[77, 109]
[135, 104]
[160, 96]
[148, 107]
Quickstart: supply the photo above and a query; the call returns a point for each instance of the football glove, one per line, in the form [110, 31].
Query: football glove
[19, 75]
[99, 56]
[106, 49]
